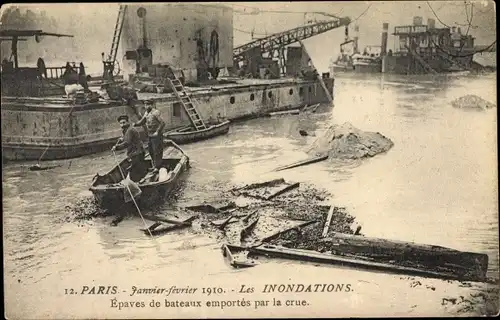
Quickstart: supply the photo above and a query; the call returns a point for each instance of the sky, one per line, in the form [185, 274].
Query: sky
[96, 21]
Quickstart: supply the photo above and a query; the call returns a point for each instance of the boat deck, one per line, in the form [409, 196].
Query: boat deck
[240, 83]
[56, 101]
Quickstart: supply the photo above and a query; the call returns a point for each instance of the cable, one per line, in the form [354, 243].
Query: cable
[444, 24]
[249, 32]
[290, 12]
[363, 13]
[469, 21]
[464, 55]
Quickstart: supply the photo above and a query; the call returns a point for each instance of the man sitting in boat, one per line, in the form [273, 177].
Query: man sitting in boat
[131, 140]
[154, 125]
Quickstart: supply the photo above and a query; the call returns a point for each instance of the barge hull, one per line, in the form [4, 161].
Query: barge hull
[31, 127]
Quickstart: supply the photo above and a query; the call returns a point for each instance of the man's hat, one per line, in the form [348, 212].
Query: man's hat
[122, 117]
[148, 101]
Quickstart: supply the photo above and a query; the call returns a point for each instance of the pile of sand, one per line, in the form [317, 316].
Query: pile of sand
[347, 142]
[471, 101]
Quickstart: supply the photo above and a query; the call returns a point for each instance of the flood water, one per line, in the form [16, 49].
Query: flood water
[437, 185]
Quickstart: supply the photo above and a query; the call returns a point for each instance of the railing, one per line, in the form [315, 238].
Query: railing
[410, 29]
[57, 72]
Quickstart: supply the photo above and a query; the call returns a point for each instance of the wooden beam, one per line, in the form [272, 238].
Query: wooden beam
[283, 190]
[186, 222]
[302, 163]
[297, 227]
[313, 256]
[462, 264]
[261, 184]
[328, 221]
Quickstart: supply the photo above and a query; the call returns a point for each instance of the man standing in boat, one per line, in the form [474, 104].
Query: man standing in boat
[154, 126]
[131, 140]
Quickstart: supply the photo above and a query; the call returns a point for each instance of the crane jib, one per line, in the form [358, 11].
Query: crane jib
[278, 40]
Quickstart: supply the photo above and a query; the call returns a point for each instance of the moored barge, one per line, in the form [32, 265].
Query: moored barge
[44, 124]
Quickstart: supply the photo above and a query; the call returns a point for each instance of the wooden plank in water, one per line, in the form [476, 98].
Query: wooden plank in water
[165, 229]
[185, 222]
[302, 163]
[311, 109]
[213, 206]
[297, 227]
[279, 113]
[465, 265]
[313, 256]
[283, 190]
[328, 221]
[221, 224]
[236, 263]
[247, 229]
[261, 184]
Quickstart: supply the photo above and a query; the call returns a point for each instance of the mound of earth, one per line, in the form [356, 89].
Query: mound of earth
[471, 101]
[347, 142]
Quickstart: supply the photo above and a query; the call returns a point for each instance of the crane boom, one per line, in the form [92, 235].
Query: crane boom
[279, 40]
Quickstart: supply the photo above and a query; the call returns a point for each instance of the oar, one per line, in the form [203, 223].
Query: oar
[129, 183]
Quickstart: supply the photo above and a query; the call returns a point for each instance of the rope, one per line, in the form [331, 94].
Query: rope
[363, 13]
[131, 195]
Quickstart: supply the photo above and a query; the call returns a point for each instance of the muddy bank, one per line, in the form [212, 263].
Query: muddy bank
[472, 102]
[347, 142]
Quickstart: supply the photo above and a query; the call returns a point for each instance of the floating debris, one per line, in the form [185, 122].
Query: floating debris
[472, 102]
[347, 142]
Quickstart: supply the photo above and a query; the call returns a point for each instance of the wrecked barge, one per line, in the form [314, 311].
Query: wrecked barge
[43, 124]
[287, 220]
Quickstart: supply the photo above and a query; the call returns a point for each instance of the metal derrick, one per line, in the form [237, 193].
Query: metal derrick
[274, 44]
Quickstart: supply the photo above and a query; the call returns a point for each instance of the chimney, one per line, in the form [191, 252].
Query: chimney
[383, 47]
[417, 21]
[459, 30]
[431, 23]
[356, 37]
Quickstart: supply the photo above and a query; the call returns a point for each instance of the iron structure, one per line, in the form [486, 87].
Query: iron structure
[274, 45]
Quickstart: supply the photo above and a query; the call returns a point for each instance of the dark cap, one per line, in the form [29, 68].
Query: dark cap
[149, 101]
[122, 117]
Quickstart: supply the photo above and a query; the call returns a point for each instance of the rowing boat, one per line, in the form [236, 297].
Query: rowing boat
[189, 134]
[111, 193]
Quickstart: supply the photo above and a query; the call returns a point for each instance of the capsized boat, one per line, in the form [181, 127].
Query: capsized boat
[111, 192]
[189, 134]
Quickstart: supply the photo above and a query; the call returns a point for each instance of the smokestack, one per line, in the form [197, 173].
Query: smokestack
[431, 23]
[383, 50]
[459, 30]
[355, 38]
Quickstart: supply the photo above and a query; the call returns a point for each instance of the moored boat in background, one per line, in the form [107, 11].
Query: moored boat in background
[189, 134]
